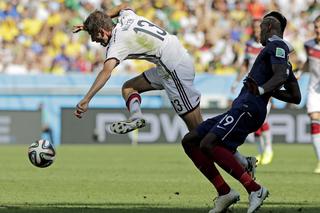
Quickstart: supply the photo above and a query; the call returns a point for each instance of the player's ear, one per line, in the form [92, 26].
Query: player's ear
[104, 32]
[100, 31]
[109, 33]
[269, 27]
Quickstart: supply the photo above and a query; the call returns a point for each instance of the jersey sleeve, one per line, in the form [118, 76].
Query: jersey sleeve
[278, 52]
[117, 51]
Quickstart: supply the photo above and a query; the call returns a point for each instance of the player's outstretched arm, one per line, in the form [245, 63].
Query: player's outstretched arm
[114, 12]
[291, 94]
[99, 82]
[77, 28]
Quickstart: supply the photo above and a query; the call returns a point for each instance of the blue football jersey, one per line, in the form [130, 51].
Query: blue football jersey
[248, 111]
[276, 51]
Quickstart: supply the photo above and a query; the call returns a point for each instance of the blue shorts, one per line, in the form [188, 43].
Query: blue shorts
[232, 127]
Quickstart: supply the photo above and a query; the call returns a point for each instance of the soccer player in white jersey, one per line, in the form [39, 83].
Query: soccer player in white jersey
[262, 136]
[135, 37]
[312, 65]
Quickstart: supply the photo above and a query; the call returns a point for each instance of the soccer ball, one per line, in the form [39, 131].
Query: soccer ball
[41, 153]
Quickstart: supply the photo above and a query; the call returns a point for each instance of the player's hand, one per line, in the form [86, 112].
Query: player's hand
[77, 28]
[251, 85]
[81, 108]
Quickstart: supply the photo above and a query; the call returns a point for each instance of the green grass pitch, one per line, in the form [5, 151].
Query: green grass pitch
[146, 179]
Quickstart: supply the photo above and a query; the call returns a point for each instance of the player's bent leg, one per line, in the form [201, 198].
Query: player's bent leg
[315, 137]
[268, 152]
[260, 144]
[248, 163]
[138, 84]
[226, 196]
[211, 146]
[193, 119]
[131, 90]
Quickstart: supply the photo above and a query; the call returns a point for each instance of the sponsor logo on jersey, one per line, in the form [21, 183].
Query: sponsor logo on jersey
[280, 53]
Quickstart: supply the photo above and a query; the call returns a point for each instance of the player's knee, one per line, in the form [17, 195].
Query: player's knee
[315, 115]
[186, 140]
[128, 85]
[208, 143]
[189, 140]
[128, 88]
[205, 146]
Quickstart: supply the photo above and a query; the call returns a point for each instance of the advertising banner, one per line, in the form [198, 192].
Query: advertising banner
[165, 126]
[19, 127]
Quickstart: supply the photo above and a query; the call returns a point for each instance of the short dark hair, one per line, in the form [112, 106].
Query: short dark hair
[97, 20]
[279, 17]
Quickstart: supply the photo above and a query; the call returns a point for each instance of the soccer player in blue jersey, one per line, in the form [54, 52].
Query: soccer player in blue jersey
[216, 139]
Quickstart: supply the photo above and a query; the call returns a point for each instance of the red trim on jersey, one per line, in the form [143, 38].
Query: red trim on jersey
[312, 52]
[131, 97]
[315, 127]
[253, 50]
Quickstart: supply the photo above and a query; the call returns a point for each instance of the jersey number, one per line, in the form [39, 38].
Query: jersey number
[177, 106]
[226, 120]
[159, 33]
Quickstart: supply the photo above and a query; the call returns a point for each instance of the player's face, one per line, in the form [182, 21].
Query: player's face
[317, 30]
[264, 28]
[101, 37]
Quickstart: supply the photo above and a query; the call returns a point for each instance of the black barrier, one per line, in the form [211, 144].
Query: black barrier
[19, 127]
[164, 126]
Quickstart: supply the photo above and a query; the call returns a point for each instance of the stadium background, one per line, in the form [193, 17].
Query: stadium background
[45, 70]
[44, 67]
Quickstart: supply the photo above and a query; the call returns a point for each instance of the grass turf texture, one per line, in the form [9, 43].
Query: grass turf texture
[146, 179]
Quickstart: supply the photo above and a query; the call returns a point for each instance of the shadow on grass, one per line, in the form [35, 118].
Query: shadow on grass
[147, 208]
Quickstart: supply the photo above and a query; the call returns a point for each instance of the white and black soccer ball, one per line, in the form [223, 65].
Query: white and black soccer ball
[41, 153]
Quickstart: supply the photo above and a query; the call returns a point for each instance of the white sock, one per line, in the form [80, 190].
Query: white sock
[267, 140]
[241, 159]
[260, 144]
[316, 144]
[315, 136]
[134, 105]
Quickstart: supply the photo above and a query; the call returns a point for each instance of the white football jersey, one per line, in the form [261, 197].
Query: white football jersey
[313, 54]
[252, 50]
[135, 37]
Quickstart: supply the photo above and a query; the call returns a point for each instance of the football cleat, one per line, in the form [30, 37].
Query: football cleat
[251, 167]
[266, 157]
[123, 127]
[224, 201]
[317, 169]
[256, 199]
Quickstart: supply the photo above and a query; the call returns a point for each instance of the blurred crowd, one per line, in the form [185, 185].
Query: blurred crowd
[36, 36]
